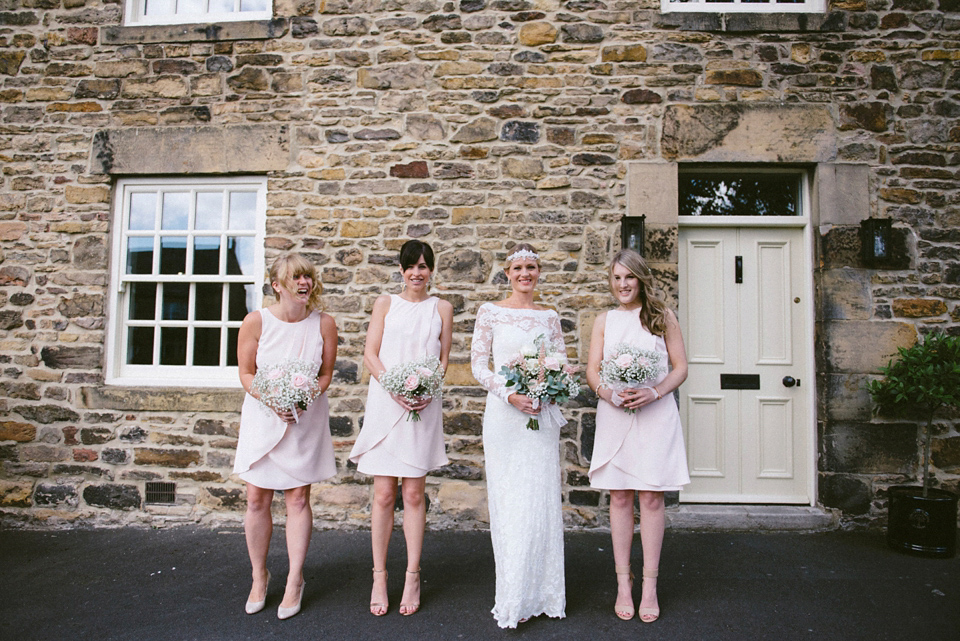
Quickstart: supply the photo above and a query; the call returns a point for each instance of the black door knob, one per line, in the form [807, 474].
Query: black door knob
[789, 381]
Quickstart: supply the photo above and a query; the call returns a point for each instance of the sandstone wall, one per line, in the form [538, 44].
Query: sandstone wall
[471, 125]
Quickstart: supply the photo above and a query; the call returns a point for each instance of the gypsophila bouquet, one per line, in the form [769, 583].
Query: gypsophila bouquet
[287, 385]
[414, 380]
[630, 367]
[541, 374]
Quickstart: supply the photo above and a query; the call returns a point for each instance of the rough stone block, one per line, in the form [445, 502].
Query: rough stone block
[862, 346]
[844, 397]
[55, 494]
[463, 265]
[846, 294]
[15, 493]
[533, 34]
[166, 457]
[463, 501]
[847, 493]
[17, 431]
[918, 307]
[869, 448]
[115, 497]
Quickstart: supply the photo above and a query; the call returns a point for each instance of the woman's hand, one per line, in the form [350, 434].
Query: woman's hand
[411, 404]
[524, 403]
[634, 399]
[291, 415]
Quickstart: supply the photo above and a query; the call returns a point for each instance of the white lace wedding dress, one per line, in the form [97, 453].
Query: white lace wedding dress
[522, 470]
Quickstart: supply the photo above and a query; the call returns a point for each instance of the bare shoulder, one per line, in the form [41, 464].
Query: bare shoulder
[600, 320]
[445, 306]
[327, 322]
[253, 320]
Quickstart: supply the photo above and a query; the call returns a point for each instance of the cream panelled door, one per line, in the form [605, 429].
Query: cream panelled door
[745, 406]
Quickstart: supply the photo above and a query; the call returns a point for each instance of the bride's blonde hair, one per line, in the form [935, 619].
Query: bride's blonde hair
[653, 309]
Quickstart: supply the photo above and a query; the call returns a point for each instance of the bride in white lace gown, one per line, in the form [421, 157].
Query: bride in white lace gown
[522, 465]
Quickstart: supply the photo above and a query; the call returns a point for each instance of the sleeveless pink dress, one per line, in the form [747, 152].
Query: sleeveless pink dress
[389, 444]
[643, 450]
[270, 453]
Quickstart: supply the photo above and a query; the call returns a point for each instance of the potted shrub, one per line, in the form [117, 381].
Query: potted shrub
[922, 381]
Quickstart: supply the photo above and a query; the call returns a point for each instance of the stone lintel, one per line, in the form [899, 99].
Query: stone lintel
[753, 22]
[842, 193]
[652, 192]
[749, 133]
[161, 399]
[191, 150]
[252, 30]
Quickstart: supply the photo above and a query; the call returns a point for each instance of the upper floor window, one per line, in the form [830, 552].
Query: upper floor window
[744, 6]
[159, 12]
[187, 266]
[740, 191]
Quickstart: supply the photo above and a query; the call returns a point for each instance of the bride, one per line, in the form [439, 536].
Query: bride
[522, 466]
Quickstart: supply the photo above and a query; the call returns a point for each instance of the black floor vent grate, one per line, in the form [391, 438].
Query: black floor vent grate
[161, 492]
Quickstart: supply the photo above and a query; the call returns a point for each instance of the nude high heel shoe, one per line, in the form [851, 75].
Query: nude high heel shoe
[625, 612]
[649, 615]
[406, 609]
[252, 607]
[378, 609]
[286, 613]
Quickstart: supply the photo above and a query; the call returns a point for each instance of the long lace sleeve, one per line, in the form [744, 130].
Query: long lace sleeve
[480, 356]
[555, 334]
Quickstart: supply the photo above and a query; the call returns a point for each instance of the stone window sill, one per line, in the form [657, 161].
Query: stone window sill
[754, 22]
[164, 399]
[252, 30]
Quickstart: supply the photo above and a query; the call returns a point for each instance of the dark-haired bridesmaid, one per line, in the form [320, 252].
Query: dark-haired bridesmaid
[404, 327]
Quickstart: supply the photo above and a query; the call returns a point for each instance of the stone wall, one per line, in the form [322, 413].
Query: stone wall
[471, 125]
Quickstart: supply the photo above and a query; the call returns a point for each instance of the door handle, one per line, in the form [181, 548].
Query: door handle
[738, 269]
[789, 381]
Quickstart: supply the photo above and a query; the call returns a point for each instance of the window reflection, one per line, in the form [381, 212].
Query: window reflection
[173, 254]
[242, 300]
[176, 299]
[206, 255]
[176, 210]
[243, 210]
[140, 346]
[173, 345]
[206, 346]
[739, 194]
[209, 214]
[140, 255]
[143, 211]
[143, 301]
[209, 302]
[254, 5]
[240, 255]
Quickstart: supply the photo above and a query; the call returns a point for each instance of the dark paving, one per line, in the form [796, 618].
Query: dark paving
[190, 583]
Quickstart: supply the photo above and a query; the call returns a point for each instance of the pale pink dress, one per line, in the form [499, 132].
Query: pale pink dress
[643, 450]
[389, 443]
[272, 454]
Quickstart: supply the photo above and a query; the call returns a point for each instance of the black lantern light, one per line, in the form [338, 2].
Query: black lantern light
[632, 233]
[876, 247]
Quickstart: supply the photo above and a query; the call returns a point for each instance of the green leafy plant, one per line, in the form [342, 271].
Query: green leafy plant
[924, 379]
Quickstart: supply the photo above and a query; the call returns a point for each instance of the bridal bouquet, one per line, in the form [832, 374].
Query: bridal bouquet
[541, 374]
[630, 367]
[287, 385]
[414, 380]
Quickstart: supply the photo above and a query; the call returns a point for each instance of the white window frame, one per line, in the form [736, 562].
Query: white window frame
[738, 6]
[118, 371]
[134, 14]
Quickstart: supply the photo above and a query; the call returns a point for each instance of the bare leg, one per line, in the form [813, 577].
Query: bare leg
[651, 537]
[381, 527]
[414, 523]
[258, 527]
[299, 529]
[621, 531]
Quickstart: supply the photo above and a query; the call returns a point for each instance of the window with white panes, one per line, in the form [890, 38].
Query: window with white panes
[160, 12]
[188, 263]
[743, 6]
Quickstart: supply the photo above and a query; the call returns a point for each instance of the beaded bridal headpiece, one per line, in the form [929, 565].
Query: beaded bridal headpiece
[523, 253]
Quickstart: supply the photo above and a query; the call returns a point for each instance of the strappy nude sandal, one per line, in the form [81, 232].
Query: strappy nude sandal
[378, 609]
[406, 609]
[625, 612]
[649, 615]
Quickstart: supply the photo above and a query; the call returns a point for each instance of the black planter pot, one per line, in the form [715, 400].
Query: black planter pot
[922, 525]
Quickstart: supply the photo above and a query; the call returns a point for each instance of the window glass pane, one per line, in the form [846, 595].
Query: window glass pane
[222, 6]
[209, 211]
[140, 346]
[209, 303]
[254, 5]
[240, 253]
[160, 7]
[191, 6]
[176, 297]
[143, 301]
[206, 254]
[206, 346]
[176, 208]
[243, 210]
[143, 211]
[232, 334]
[140, 255]
[732, 194]
[173, 254]
[173, 345]
[242, 300]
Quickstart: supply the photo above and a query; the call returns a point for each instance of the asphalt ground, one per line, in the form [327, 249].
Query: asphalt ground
[191, 583]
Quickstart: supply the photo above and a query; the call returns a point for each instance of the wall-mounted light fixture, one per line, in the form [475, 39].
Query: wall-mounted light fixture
[876, 242]
[632, 233]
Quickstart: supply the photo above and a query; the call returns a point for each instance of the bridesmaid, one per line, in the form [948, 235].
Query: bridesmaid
[280, 450]
[643, 451]
[404, 327]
